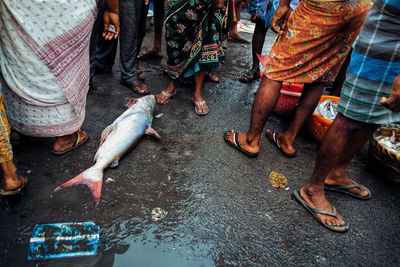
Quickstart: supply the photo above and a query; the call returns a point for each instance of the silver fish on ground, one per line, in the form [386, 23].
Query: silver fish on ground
[115, 140]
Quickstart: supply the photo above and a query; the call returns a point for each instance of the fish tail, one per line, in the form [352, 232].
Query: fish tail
[92, 178]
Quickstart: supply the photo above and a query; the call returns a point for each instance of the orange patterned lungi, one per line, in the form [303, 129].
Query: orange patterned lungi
[318, 38]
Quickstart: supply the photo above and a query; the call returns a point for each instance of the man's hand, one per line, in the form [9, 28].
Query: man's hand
[280, 18]
[393, 102]
[111, 25]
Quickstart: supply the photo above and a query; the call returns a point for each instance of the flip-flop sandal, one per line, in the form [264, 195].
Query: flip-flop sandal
[249, 77]
[236, 144]
[76, 145]
[16, 191]
[169, 96]
[344, 189]
[200, 104]
[212, 78]
[314, 211]
[134, 84]
[275, 141]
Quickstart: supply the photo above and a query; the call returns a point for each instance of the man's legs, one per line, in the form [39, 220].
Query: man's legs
[233, 34]
[264, 101]
[257, 44]
[102, 52]
[343, 139]
[308, 101]
[130, 15]
[341, 77]
[155, 51]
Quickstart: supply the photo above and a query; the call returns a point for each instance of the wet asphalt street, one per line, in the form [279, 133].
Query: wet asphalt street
[222, 210]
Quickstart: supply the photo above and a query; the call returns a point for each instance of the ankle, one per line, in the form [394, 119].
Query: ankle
[253, 139]
[313, 190]
[9, 170]
[197, 97]
[288, 138]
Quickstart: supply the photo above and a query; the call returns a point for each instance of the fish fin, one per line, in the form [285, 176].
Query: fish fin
[151, 131]
[92, 178]
[132, 101]
[115, 164]
[106, 132]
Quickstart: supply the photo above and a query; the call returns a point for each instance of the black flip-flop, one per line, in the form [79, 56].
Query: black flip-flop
[77, 144]
[344, 189]
[237, 145]
[275, 141]
[14, 191]
[314, 211]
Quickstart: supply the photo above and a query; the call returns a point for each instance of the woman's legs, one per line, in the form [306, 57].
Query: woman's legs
[167, 93]
[11, 179]
[66, 142]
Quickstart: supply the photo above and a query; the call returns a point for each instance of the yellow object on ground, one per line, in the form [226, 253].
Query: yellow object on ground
[278, 180]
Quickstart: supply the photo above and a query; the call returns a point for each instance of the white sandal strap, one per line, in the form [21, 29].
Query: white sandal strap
[199, 103]
[166, 94]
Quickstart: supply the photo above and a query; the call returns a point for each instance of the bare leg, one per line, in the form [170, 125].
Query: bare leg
[264, 101]
[11, 179]
[341, 77]
[198, 90]
[155, 51]
[257, 44]
[343, 139]
[164, 98]
[233, 34]
[308, 101]
[158, 25]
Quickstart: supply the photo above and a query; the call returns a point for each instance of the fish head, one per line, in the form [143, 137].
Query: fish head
[146, 103]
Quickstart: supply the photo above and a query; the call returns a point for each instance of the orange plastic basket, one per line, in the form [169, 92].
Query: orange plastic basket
[319, 125]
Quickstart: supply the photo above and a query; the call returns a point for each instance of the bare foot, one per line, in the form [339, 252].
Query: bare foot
[11, 179]
[66, 142]
[316, 199]
[150, 54]
[235, 37]
[251, 147]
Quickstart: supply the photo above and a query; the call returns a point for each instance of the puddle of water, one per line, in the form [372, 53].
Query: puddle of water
[156, 252]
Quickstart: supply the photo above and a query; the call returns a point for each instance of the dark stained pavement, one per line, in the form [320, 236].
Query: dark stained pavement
[222, 210]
